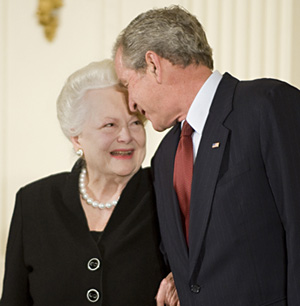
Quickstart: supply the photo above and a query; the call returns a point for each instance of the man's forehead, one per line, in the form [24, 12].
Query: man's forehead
[122, 76]
[119, 65]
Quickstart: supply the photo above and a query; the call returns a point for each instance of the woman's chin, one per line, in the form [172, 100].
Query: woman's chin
[128, 172]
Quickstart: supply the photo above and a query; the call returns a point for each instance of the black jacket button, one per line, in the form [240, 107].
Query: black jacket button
[93, 264]
[93, 295]
[195, 288]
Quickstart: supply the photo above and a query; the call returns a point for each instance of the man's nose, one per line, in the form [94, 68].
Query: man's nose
[132, 104]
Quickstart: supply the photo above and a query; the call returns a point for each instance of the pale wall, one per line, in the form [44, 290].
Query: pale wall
[250, 38]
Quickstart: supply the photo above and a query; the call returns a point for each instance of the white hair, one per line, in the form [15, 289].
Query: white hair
[71, 109]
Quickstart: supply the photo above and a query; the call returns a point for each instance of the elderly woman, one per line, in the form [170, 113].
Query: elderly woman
[89, 236]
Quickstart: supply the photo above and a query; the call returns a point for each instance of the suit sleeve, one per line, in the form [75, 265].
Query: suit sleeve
[280, 143]
[15, 284]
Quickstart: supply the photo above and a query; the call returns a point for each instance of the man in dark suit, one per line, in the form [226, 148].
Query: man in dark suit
[236, 239]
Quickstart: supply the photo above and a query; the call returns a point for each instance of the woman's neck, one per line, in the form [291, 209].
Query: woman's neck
[105, 188]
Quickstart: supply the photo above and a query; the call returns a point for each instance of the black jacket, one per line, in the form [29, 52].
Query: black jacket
[244, 234]
[50, 247]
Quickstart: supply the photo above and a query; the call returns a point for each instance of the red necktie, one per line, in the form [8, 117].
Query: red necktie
[183, 174]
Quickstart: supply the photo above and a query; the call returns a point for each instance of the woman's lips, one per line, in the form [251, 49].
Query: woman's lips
[122, 154]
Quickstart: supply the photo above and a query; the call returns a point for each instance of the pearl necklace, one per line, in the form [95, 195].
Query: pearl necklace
[87, 198]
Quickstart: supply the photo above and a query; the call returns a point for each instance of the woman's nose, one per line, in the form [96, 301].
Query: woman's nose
[125, 135]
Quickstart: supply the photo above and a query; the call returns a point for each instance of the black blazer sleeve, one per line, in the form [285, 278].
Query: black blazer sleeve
[280, 143]
[15, 286]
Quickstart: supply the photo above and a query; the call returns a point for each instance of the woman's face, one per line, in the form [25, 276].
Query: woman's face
[112, 139]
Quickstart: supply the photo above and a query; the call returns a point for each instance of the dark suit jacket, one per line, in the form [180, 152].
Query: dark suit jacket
[50, 246]
[244, 245]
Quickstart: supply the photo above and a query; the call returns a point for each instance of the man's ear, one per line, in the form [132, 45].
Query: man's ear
[154, 65]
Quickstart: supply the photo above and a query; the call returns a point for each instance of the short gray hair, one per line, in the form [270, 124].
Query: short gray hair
[71, 109]
[171, 32]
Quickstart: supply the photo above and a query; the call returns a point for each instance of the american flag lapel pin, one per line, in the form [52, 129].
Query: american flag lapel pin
[215, 145]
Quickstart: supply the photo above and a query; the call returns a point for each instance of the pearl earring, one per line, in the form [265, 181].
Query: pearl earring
[79, 152]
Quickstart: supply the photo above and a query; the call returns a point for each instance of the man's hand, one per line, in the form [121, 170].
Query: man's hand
[167, 293]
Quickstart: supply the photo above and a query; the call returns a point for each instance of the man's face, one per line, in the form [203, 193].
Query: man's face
[145, 94]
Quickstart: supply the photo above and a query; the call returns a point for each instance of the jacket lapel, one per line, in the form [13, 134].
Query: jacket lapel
[206, 169]
[71, 200]
[170, 207]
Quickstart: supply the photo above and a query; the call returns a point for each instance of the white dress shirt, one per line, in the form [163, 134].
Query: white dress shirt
[199, 109]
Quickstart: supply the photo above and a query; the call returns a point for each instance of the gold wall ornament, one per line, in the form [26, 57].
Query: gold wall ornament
[47, 14]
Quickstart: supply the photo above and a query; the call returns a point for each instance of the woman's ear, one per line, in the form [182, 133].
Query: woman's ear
[153, 61]
[77, 146]
[76, 143]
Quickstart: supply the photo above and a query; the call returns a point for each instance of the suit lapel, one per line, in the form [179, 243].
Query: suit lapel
[170, 206]
[71, 200]
[206, 168]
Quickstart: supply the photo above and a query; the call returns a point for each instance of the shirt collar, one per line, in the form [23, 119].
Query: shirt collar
[199, 109]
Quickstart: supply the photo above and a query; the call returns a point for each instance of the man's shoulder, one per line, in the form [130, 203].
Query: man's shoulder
[265, 85]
